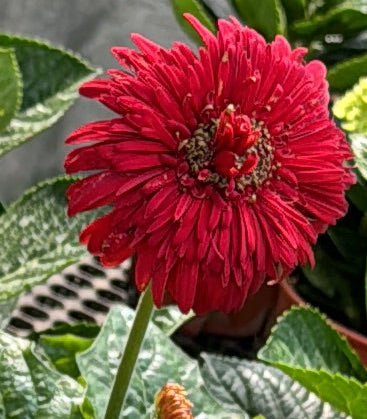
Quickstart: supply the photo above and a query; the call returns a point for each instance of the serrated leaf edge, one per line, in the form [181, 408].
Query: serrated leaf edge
[352, 356]
[287, 369]
[39, 186]
[13, 206]
[57, 115]
[234, 361]
[74, 56]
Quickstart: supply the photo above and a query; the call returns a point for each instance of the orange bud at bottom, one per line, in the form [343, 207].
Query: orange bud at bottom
[171, 403]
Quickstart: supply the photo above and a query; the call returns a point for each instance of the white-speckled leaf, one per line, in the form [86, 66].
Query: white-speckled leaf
[51, 77]
[159, 361]
[30, 388]
[258, 389]
[10, 86]
[6, 308]
[170, 318]
[359, 146]
[37, 238]
[309, 350]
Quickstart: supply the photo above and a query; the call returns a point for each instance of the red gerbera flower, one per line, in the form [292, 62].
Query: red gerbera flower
[221, 167]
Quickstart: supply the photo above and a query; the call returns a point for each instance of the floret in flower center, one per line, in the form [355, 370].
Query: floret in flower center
[231, 146]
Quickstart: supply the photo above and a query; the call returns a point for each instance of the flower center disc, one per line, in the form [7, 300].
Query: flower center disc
[230, 149]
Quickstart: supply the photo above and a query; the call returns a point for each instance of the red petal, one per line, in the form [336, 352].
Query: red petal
[143, 268]
[224, 163]
[92, 192]
[249, 164]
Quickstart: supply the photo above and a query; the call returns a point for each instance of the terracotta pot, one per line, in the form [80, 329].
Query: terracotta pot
[259, 315]
[288, 297]
[251, 320]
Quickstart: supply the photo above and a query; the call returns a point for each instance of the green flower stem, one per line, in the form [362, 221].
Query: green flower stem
[130, 355]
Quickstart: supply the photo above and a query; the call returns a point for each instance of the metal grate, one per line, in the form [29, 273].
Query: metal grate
[82, 292]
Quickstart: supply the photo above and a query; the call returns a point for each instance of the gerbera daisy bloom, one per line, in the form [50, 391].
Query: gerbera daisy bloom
[221, 167]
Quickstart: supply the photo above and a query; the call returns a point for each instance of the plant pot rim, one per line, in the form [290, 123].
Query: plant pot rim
[350, 333]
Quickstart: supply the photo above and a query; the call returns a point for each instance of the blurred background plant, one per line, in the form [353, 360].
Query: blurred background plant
[38, 83]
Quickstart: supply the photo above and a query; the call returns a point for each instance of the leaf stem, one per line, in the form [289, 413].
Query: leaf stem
[130, 355]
